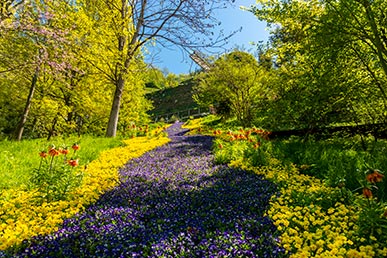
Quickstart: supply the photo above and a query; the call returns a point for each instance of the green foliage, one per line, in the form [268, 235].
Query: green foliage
[330, 62]
[225, 152]
[261, 156]
[236, 83]
[370, 222]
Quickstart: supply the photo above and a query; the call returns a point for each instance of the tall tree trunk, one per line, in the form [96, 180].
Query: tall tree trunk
[115, 110]
[23, 119]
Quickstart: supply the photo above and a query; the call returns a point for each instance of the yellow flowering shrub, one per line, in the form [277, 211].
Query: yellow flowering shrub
[22, 217]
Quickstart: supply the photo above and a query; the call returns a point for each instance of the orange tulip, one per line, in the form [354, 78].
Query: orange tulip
[64, 151]
[53, 152]
[220, 146]
[73, 162]
[367, 192]
[43, 154]
[374, 177]
[75, 146]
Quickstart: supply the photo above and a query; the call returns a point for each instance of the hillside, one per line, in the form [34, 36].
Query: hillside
[171, 101]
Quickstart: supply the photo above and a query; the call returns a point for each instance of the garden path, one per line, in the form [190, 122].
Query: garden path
[173, 201]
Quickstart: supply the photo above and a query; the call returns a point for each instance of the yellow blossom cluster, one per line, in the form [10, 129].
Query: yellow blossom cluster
[22, 217]
[307, 228]
[312, 218]
[193, 125]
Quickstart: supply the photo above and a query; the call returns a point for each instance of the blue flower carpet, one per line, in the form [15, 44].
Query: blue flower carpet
[173, 201]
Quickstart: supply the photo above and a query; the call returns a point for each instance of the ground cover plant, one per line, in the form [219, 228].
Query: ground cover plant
[23, 214]
[174, 201]
[315, 218]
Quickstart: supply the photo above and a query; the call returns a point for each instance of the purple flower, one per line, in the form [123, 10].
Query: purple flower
[173, 201]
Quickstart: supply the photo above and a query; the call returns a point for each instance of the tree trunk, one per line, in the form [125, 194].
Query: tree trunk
[23, 119]
[52, 130]
[115, 110]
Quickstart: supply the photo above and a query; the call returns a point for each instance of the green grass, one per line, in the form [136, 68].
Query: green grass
[172, 100]
[18, 159]
[338, 161]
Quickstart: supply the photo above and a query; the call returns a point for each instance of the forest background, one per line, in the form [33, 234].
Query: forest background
[74, 66]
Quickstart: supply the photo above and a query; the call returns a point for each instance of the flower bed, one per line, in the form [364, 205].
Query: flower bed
[22, 217]
[313, 220]
[174, 201]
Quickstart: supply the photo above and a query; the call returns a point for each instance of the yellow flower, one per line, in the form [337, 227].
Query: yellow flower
[25, 219]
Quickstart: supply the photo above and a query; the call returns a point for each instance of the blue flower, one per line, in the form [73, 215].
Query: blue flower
[173, 201]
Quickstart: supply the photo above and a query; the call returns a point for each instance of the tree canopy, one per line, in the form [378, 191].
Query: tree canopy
[74, 66]
[330, 61]
[236, 84]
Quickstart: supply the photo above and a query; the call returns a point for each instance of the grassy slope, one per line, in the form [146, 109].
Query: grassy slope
[173, 99]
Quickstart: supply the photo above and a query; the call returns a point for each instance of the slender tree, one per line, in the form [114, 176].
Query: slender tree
[133, 23]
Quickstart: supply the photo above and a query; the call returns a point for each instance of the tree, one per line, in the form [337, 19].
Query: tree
[329, 58]
[237, 81]
[31, 35]
[136, 22]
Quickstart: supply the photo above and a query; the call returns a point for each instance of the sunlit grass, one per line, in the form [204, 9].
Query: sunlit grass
[17, 159]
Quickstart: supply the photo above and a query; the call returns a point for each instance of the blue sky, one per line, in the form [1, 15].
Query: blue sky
[232, 19]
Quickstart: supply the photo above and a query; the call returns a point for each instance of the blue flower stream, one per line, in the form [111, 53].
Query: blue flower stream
[173, 201]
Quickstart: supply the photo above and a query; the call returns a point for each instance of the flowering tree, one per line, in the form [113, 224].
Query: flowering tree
[33, 46]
